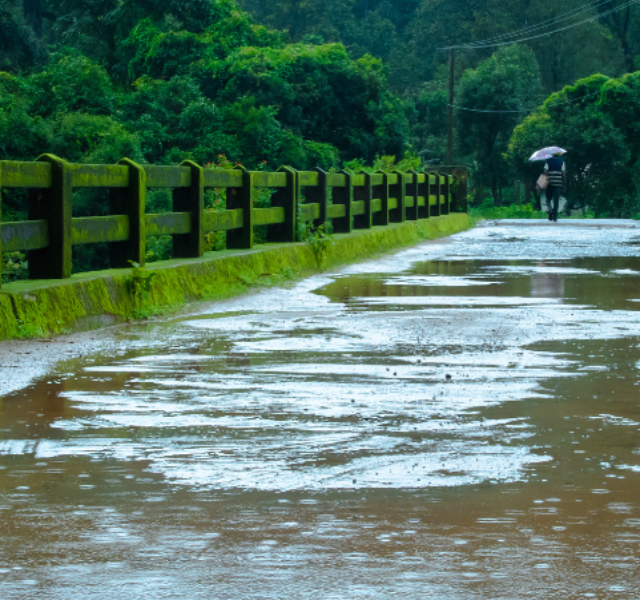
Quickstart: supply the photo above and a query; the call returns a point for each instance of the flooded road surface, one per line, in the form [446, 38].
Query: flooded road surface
[460, 420]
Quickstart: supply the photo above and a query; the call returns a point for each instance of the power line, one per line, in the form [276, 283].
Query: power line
[530, 28]
[477, 110]
[471, 46]
[521, 111]
[553, 21]
[548, 33]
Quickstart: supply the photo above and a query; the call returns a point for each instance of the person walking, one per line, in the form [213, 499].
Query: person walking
[555, 170]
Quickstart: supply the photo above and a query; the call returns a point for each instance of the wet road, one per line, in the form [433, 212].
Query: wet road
[460, 420]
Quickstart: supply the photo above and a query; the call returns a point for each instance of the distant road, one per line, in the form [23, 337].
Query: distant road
[624, 223]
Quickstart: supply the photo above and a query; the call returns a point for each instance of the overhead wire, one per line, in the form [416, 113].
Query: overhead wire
[521, 111]
[472, 46]
[594, 4]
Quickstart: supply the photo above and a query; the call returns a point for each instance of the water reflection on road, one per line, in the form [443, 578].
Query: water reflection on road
[457, 420]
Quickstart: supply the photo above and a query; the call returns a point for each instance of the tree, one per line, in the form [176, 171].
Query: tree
[536, 133]
[326, 19]
[23, 135]
[319, 93]
[71, 83]
[506, 83]
[588, 119]
[88, 25]
[32, 10]
[19, 46]
[619, 22]
[621, 101]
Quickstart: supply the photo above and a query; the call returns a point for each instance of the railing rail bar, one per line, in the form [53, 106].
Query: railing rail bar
[360, 201]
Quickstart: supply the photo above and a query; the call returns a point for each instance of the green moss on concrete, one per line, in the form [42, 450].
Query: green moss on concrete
[8, 322]
[25, 174]
[91, 230]
[72, 304]
[24, 235]
[225, 274]
[366, 243]
[92, 300]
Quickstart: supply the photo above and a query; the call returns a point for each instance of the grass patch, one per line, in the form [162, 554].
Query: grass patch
[514, 211]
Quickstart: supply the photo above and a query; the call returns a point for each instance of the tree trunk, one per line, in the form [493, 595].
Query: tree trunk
[628, 55]
[494, 192]
[618, 24]
[32, 10]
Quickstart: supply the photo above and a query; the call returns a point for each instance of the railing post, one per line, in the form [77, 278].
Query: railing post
[191, 200]
[412, 190]
[286, 198]
[434, 192]
[130, 201]
[240, 198]
[55, 206]
[423, 191]
[452, 193]
[363, 194]
[319, 195]
[343, 196]
[381, 218]
[397, 190]
[445, 189]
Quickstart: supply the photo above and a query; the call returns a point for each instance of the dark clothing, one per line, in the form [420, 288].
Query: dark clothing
[553, 193]
[555, 169]
[555, 163]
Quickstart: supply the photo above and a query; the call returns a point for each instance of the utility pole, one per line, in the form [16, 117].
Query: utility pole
[452, 72]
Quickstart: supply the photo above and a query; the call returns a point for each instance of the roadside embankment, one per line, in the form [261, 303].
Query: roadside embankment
[92, 300]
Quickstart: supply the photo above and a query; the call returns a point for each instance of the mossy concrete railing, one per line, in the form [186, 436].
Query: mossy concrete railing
[92, 300]
[349, 201]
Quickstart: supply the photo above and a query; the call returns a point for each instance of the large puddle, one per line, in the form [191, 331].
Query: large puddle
[459, 420]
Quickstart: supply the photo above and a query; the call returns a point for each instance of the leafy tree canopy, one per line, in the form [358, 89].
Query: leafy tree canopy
[505, 83]
[591, 121]
[194, 79]
[313, 82]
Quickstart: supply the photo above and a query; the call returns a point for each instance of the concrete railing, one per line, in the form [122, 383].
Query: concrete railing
[355, 202]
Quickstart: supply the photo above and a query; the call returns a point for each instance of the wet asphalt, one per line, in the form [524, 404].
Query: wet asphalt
[457, 420]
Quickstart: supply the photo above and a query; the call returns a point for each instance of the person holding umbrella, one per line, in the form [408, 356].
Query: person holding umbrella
[554, 180]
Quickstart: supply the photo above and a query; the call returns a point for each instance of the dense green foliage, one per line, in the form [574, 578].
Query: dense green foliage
[321, 83]
[506, 81]
[166, 81]
[162, 81]
[596, 121]
[407, 35]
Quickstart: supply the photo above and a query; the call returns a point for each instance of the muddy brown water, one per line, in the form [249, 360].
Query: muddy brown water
[460, 420]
